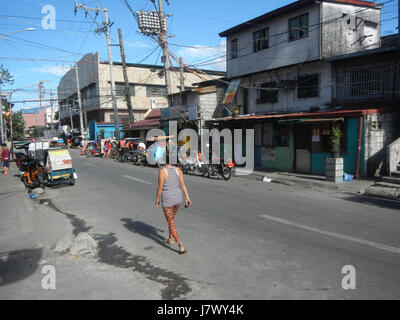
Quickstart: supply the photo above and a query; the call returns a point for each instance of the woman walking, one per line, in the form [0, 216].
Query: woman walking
[170, 186]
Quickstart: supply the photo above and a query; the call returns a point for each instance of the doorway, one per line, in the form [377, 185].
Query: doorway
[302, 145]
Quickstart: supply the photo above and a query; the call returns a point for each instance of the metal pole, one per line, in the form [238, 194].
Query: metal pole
[163, 40]
[78, 90]
[127, 89]
[114, 98]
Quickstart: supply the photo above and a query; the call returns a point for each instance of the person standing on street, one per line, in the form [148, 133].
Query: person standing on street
[170, 186]
[5, 158]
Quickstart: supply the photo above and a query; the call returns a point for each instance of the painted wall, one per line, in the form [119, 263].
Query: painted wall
[287, 97]
[284, 157]
[281, 52]
[318, 159]
[95, 130]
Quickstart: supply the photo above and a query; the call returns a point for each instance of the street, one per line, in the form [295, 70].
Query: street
[245, 239]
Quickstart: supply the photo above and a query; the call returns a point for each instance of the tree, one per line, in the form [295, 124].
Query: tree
[18, 126]
[36, 132]
[5, 76]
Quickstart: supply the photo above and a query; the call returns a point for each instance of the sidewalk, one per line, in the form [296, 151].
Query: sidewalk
[305, 180]
[27, 233]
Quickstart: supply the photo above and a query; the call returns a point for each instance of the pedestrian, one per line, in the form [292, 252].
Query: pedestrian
[105, 149]
[170, 186]
[5, 159]
[109, 148]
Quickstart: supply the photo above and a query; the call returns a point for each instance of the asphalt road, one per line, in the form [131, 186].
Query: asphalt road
[245, 239]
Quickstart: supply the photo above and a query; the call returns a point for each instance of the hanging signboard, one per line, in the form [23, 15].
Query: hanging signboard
[231, 91]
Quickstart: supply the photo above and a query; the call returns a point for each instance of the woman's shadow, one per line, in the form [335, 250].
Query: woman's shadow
[146, 230]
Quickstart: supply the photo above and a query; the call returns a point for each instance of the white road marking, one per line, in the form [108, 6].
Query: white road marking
[138, 180]
[333, 234]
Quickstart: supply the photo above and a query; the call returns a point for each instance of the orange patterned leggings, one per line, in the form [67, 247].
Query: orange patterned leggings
[170, 213]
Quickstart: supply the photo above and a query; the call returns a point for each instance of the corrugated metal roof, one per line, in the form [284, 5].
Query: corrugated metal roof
[313, 115]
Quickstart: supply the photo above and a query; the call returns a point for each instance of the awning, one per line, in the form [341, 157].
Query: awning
[299, 121]
[341, 113]
[146, 124]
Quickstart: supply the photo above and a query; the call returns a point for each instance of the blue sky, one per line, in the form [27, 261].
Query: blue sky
[51, 52]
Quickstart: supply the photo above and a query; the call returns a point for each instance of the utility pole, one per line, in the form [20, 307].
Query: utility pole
[78, 90]
[1, 110]
[127, 88]
[182, 73]
[106, 25]
[40, 86]
[11, 127]
[70, 115]
[163, 41]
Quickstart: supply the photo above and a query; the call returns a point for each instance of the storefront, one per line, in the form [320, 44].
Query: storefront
[300, 142]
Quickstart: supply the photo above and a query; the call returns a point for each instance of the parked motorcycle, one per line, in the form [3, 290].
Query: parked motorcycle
[32, 173]
[220, 170]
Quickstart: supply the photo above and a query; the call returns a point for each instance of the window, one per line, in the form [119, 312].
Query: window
[120, 89]
[234, 48]
[308, 86]
[260, 39]
[298, 27]
[156, 91]
[268, 93]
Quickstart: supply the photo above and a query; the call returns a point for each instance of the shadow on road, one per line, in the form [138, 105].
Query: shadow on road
[18, 265]
[382, 203]
[146, 231]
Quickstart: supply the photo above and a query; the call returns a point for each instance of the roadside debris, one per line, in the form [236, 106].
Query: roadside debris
[81, 245]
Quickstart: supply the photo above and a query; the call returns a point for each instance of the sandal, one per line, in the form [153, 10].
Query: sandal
[169, 243]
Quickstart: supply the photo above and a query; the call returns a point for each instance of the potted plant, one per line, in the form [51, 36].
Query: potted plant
[334, 141]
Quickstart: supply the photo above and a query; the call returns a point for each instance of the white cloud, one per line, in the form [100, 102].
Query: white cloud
[53, 70]
[204, 57]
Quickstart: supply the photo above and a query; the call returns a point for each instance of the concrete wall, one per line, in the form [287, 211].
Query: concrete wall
[343, 27]
[287, 98]
[281, 52]
[283, 157]
[318, 159]
[380, 131]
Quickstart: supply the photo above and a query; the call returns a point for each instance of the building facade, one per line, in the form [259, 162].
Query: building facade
[147, 89]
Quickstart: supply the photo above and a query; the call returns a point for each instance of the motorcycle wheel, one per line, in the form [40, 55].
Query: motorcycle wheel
[226, 173]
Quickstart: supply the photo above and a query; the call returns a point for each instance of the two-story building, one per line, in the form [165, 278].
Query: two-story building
[146, 82]
[287, 85]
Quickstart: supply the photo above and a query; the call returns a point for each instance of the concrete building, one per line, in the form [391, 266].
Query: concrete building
[305, 68]
[147, 85]
[280, 56]
[34, 117]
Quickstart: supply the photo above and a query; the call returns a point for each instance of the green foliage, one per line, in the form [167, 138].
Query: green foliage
[18, 126]
[36, 132]
[5, 76]
[334, 138]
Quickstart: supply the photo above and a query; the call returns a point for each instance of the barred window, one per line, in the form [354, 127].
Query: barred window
[260, 40]
[308, 86]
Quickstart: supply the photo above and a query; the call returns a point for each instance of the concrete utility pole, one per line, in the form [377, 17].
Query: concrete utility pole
[78, 90]
[1, 110]
[182, 73]
[70, 115]
[127, 89]
[107, 32]
[163, 41]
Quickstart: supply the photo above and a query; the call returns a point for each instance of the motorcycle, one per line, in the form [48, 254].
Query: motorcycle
[219, 170]
[32, 174]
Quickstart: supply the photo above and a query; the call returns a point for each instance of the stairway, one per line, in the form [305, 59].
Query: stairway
[394, 177]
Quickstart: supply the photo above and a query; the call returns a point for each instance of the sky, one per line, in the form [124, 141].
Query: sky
[45, 55]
